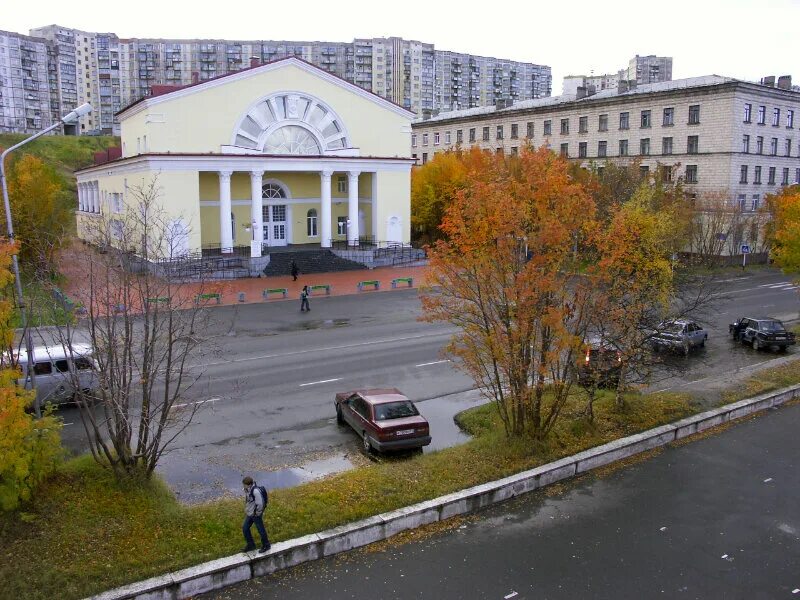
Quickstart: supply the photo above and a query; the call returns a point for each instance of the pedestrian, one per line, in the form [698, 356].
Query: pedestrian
[295, 271]
[304, 300]
[255, 501]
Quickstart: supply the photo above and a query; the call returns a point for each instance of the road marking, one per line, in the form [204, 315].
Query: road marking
[196, 402]
[436, 362]
[511, 595]
[325, 349]
[760, 288]
[323, 381]
[65, 424]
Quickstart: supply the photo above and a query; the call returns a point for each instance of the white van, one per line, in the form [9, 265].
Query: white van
[56, 371]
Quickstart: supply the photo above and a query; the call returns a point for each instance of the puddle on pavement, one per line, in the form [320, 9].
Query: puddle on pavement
[194, 481]
[315, 324]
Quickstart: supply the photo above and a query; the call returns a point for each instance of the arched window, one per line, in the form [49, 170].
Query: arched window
[272, 190]
[311, 222]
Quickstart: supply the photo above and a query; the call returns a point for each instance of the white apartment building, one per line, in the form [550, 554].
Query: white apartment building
[715, 133]
[640, 69]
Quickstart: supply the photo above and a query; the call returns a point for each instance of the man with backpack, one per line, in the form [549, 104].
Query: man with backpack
[255, 501]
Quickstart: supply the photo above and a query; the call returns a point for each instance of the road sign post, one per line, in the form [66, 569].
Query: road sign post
[745, 251]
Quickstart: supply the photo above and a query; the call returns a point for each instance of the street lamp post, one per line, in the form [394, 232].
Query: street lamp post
[71, 117]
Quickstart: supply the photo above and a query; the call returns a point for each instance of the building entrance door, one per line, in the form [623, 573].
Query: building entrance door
[275, 225]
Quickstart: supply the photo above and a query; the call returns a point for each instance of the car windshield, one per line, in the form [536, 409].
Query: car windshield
[673, 327]
[771, 326]
[395, 410]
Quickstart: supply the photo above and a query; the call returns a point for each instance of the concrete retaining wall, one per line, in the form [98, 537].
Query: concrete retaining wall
[240, 567]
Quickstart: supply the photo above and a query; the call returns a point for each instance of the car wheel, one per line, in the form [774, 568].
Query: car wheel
[756, 345]
[339, 418]
[366, 443]
[703, 343]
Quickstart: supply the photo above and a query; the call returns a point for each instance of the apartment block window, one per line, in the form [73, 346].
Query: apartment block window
[644, 171]
[514, 150]
[694, 114]
[691, 173]
[436, 138]
[424, 139]
[472, 134]
[602, 124]
[762, 115]
[748, 110]
[785, 176]
[669, 117]
[771, 176]
[485, 134]
[624, 120]
[789, 118]
[756, 202]
[499, 135]
[773, 147]
[548, 128]
[498, 151]
[646, 119]
[602, 149]
[623, 147]
[757, 175]
[776, 117]
[743, 174]
[666, 173]
[565, 150]
[742, 199]
[459, 136]
[530, 129]
[424, 157]
[666, 145]
[746, 144]
[692, 144]
[564, 126]
[447, 137]
[797, 175]
[644, 146]
[413, 140]
[583, 125]
[759, 144]
[582, 150]
[788, 149]
[514, 131]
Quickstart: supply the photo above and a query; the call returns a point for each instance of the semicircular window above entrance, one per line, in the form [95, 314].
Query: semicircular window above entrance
[272, 190]
[291, 123]
[291, 139]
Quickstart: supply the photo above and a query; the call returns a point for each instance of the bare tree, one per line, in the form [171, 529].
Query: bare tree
[145, 325]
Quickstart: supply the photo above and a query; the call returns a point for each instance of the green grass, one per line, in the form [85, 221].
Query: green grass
[65, 154]
[764, 381]
[85, 534]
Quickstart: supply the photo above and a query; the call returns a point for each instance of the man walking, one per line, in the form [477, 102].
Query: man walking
[304, 300]
[295, 271]
[254, 503]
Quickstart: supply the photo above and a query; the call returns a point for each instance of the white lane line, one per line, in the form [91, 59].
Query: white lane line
[325, 349]
[760, 288]
[196, 402]
[323, 381]
[780, 285]
[65, 424]
[436, 362]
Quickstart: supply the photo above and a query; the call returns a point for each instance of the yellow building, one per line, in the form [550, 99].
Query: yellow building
[280, 153]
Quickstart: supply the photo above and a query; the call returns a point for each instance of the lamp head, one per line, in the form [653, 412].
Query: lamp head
[72, 116]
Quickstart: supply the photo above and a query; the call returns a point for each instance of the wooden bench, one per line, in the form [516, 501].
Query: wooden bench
[322, 286]
[156, 301]
[363, 284]
[206, 297]
[397, 280]
[265, 294]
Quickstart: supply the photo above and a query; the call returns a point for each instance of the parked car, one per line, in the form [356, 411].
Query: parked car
[762, 332]
[599, 364]
[680, 336]
[384, 418]
[58, 371]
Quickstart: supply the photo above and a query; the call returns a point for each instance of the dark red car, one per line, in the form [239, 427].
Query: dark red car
[384, 418]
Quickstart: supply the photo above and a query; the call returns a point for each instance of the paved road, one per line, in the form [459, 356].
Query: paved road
[716, 518]
[274, 370]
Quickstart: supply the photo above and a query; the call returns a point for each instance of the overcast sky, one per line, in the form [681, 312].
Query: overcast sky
[739, 38]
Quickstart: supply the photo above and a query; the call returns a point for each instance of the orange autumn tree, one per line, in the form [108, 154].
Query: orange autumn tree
[29, 448]
[785, 229]
[503, 275]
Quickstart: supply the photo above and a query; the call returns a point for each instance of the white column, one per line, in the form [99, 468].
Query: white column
[80, 197]
[225, 234]
[96, 197]
[352, 208]
[325, 208]
[256, 214]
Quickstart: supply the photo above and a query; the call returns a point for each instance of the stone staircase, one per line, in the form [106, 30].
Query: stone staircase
[308, 261]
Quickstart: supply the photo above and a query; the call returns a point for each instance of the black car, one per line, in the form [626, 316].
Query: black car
[600, 363]
[761, 332]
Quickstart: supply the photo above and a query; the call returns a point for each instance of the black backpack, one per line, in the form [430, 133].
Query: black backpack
[264, 494]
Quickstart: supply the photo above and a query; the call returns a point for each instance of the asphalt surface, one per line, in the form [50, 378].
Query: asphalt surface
[270, 375]
[714, 518]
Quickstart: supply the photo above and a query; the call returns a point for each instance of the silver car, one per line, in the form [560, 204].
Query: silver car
[59, 372]
[680, 336]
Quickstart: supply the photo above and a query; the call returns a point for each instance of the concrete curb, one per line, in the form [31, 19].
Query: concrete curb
[241, 567]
